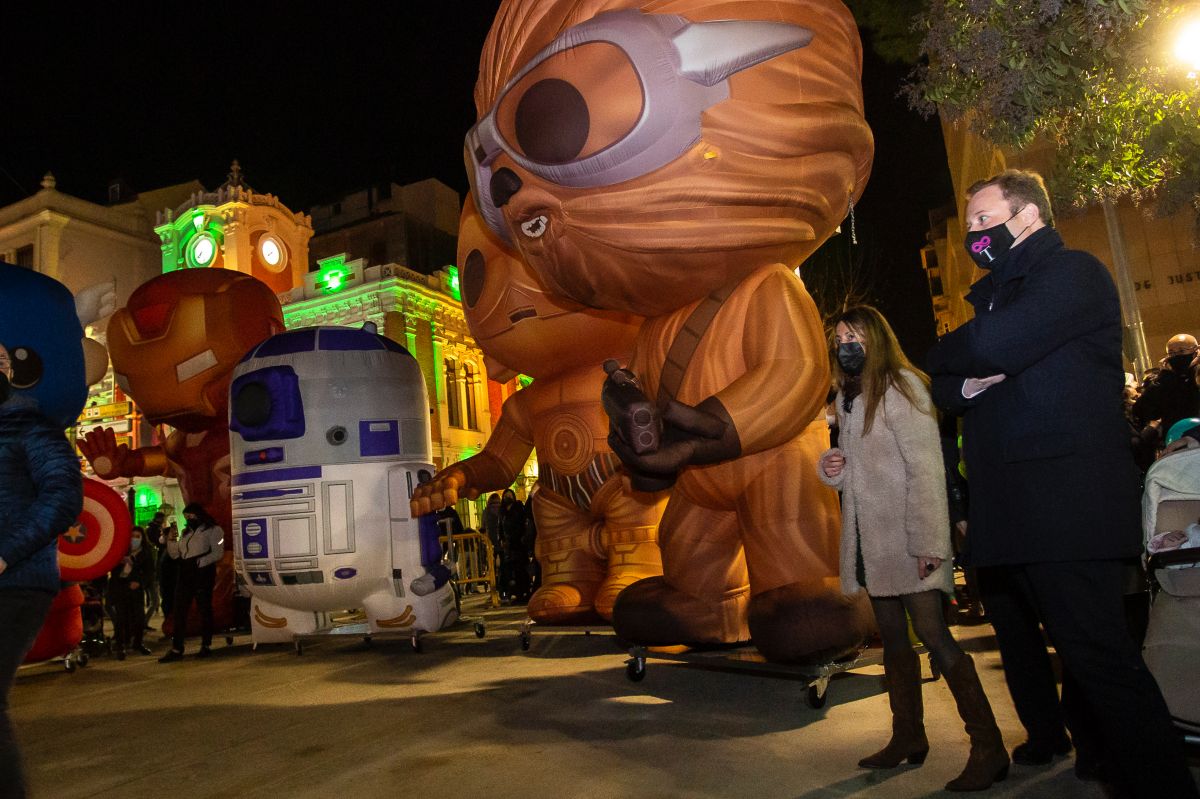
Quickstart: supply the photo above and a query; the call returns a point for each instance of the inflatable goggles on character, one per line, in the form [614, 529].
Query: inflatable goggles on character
[572, 115]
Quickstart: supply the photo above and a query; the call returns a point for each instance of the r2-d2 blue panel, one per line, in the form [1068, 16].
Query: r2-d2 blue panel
[329, 430]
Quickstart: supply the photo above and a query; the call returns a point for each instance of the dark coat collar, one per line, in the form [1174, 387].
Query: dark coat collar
[17, 403]
[1020, 260]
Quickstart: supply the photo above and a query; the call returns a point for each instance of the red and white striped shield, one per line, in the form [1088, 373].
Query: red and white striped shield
[100, 536]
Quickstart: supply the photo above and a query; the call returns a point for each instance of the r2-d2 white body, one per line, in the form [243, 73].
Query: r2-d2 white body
[329, 428]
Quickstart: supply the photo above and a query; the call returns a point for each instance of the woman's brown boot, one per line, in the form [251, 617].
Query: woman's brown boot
[903, 673]
[988, 762]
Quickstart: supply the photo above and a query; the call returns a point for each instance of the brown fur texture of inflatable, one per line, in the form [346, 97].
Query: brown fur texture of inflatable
[750, 537]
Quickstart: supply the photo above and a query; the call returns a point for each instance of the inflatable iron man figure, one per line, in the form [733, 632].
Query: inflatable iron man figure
[173, 349]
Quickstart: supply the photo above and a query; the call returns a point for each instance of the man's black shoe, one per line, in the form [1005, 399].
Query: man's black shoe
[1033, 753]
[171, 657]
[204, 652]
[142, 650]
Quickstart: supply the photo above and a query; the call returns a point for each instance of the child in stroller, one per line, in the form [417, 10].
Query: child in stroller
[1171, 529]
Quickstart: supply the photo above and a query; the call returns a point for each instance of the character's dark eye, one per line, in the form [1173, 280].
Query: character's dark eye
[573, 105]
[27, 367]
[552, 122]
[473, 277]
[252, 405]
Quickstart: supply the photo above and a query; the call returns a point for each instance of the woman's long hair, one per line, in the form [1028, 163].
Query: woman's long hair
[885, 360]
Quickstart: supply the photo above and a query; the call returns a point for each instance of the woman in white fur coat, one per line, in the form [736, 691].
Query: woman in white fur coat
[896, 537]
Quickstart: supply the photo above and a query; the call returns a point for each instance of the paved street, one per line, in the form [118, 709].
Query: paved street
[480, 718]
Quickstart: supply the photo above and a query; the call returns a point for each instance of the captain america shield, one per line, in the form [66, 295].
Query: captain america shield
[100, 536]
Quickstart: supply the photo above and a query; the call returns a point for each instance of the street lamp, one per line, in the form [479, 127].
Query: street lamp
[1187, 44]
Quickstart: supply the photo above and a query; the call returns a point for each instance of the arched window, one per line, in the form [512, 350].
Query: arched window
[470, 387]
[453, 399]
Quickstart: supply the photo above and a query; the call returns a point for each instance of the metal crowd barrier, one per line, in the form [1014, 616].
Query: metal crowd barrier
[475, 560]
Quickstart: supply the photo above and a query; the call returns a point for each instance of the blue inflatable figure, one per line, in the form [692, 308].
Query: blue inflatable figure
[40, 329]
[42, 390]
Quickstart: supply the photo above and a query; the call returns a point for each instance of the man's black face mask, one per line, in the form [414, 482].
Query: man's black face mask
[1181, 362]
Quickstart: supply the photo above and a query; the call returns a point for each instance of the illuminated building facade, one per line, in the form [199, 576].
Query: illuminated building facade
[236, 228]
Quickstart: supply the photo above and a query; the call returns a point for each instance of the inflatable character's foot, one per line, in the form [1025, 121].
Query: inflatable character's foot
[808, 623]
[652, 613]
[633, 554]
[564, 603]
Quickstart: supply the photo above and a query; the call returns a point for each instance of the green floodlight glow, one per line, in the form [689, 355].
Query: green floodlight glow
[332, 274]
[146, 497]
[454, 288]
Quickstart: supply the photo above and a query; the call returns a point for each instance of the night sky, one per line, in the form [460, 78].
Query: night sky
[317, 101]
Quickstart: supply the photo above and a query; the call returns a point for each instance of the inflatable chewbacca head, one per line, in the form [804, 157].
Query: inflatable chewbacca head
[642, 154]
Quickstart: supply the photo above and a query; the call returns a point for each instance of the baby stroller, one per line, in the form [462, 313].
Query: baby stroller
[1171, 528]
[95, 642]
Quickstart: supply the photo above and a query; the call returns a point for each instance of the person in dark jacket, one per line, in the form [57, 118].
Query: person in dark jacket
[1037, 375]
[514, 557]
[1170, 394]
[153, 542]
[126, 595]
[196, 551]
[491, 529]
[41, 495]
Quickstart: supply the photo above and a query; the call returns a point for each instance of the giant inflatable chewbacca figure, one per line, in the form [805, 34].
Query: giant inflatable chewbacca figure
[676, 159]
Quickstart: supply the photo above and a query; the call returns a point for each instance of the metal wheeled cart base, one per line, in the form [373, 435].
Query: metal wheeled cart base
[748, 659]
[525, 632]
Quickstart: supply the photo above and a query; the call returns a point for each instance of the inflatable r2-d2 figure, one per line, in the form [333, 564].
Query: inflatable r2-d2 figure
[329, 430]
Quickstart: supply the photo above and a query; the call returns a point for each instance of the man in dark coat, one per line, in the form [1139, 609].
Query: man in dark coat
[41, 494]
[1172, 394]
[1038, 376]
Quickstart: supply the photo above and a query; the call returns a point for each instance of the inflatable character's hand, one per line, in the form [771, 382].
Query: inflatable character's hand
[693, 436]
[108, 458]
[96, 302]
[442, 491]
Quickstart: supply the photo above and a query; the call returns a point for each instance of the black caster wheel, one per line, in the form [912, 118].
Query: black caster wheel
[69, 665]
[416, 645]
[299, 648]
[526, 640]
[84, 658]
[229, 640]
[480, 630]
[635, 669]
[367, 641]
[816, 696]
